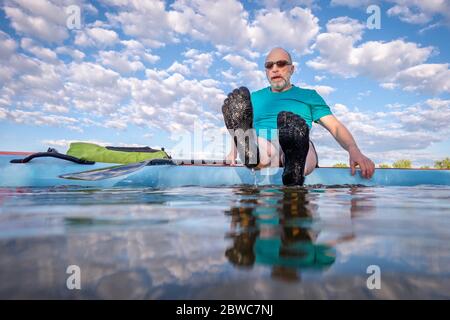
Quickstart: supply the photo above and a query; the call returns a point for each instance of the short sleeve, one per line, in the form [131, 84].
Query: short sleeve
[319, 107]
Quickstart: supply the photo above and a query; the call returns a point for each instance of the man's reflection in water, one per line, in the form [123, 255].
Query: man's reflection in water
[278, 230]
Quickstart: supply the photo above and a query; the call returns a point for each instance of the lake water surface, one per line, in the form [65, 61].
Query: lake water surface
[226, 243]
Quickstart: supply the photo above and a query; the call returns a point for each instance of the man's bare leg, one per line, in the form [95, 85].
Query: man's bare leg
[270, 156]
[237, 111]
[293, 136]
[311, 160]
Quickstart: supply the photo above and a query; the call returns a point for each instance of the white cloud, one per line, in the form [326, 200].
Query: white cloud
[381, 60]
[225, 24]
[287, 4]
[150, 58]
[405, 14]
[196, 63]
[419, 12]
[40, 52]
[433, 116]
[436, 104]
[395, 105]
[119, 62]
[98, 37]
[55, 108]
[146, 21]
[240, 62]
[319, 78]
[74, 53]
[177, 67]
[353, 3]
[434, 78]
[87, 7]
[321, 89]
[227, 74]
[244, 73]
[62, 143]
[6, 73]
[32, 82]
[3, 113]
[199, 62]
[399, 132]
[40, 119]
[220, 22]
[116, 124]
[135, 48]
[14, 64]
[364, 95]
[49, 10]
[7, 46]
[429, 27]
[47, 78]
[92, 74]
[409, 11]
[346, 26]
[389, 85]
[293, 29]
[39, 19]
[94, 89]
[393, 63]
[164, 100]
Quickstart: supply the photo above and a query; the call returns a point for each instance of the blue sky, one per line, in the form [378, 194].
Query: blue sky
[155, 73]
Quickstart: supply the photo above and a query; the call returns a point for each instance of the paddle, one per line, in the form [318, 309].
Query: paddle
[124, 169]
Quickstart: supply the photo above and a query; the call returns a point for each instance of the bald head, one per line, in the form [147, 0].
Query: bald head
[279, 52]
[279, 69]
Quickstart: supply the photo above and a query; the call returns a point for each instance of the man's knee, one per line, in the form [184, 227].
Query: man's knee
[268, 153]
[311, 160]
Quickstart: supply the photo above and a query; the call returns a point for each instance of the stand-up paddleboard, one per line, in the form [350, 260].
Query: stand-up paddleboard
[51, 172]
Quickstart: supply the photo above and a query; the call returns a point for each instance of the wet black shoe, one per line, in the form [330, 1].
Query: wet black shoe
[293, 135]
[238, 115]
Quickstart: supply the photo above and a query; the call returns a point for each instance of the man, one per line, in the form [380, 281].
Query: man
[288, 111]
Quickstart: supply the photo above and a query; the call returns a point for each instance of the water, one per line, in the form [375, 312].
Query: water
[226, 243]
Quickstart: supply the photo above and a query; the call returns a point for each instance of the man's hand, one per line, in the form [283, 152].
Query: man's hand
[345, 139]
[366, 165]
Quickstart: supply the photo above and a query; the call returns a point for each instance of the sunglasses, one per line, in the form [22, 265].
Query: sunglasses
[279, 63]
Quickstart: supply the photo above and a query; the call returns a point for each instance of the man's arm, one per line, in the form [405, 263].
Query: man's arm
[345, 139]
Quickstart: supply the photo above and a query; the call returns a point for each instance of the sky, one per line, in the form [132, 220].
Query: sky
[154, 73]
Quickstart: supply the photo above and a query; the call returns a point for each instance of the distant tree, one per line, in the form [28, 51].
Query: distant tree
[384, 165]
[340, 165]
[442, 164]
[425, 167]
[402, 164]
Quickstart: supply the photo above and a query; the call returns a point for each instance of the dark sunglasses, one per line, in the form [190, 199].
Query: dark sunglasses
[279, 63]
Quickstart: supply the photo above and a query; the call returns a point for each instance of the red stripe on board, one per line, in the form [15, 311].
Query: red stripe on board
[15, 153]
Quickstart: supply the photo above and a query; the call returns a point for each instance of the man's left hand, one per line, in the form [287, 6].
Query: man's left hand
[365, 164]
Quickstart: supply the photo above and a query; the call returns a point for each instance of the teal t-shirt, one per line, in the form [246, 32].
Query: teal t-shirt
[307, 103]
